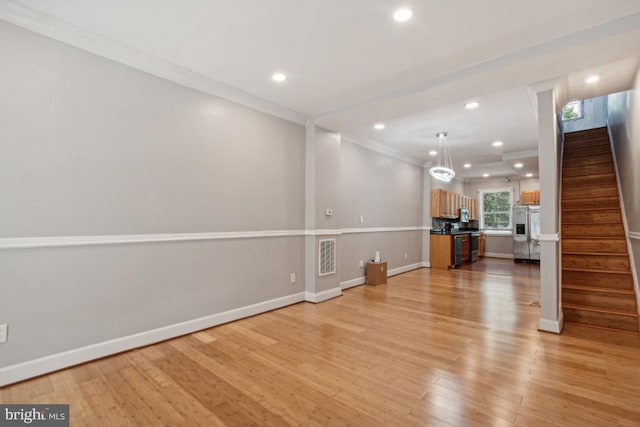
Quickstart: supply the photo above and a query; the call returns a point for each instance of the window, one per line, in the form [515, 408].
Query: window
[495, 209]
[574, 110]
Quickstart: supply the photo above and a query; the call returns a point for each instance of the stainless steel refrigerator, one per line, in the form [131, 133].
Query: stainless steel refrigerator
[526, 233]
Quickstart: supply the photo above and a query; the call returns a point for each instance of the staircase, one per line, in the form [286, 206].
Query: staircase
[597, 285]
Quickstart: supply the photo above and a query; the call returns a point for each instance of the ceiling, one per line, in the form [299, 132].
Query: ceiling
[350, 65]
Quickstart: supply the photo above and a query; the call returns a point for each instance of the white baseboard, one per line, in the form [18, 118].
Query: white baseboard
[495, 255]
[426, 264]
[554, 326]
[362, 279]
[403, 269]
[54, 362]
[353, 282]
[323, 296]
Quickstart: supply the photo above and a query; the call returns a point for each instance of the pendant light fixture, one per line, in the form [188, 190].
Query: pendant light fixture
[443, 170]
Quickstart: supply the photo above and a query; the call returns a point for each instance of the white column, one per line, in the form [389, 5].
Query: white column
[549, 161]
[310, 208]
[426, 216]
[322, 185]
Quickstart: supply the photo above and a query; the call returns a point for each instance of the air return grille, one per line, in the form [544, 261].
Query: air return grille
[327, 256]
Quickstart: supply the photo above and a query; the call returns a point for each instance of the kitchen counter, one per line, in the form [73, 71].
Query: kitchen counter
[449, 249]
[453, 233]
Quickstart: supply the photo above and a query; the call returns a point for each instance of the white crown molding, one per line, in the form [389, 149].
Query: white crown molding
[382, 149]
[34, 20]
[33, 368]
[544, 85]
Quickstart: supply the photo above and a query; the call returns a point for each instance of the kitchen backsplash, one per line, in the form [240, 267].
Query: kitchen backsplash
[447, 224]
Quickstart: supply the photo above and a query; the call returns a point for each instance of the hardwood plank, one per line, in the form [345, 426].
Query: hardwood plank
[432, 347]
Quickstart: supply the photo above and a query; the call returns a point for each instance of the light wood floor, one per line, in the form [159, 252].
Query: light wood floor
[432, 347]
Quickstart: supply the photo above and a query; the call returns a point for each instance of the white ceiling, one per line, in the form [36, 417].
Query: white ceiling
[350, 65]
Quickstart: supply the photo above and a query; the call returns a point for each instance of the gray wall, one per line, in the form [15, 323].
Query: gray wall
[387, 193]
[454, 185]
[595, 116]
[91, 147]
[624, 125]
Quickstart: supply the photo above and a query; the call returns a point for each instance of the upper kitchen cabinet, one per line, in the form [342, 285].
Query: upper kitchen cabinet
[530, 197]
[445, 204]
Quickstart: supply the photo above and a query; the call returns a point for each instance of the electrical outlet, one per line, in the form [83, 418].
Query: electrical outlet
[293, 277]
[361, 264]
[3, 332]
[405, 255]
[361, 219]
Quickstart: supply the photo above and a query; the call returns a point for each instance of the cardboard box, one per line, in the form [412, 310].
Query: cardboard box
[376, 273]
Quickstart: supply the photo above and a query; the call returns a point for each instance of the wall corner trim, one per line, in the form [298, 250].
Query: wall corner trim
[323, 296]
[554, 237]
[554, 326]
[54, 362]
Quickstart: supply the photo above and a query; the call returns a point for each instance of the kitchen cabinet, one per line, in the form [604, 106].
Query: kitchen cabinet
[481, 244]
[441, 250]
[442, 204]
[530, 197]
[466, 248]
[445, 204]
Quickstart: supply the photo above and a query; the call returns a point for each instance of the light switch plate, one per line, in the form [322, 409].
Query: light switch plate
[3, 332]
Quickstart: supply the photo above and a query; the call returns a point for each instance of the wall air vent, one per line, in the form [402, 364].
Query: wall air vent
[327, 256]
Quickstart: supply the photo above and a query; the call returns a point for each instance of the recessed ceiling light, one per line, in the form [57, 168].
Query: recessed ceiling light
[497, 144]
[518, 165]
[279, 77]
[433, 152]
[471, 105]
[467, 165]
[485, 175]
[592, 79]
[402, 15]
[529, 175]
[379, 126]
